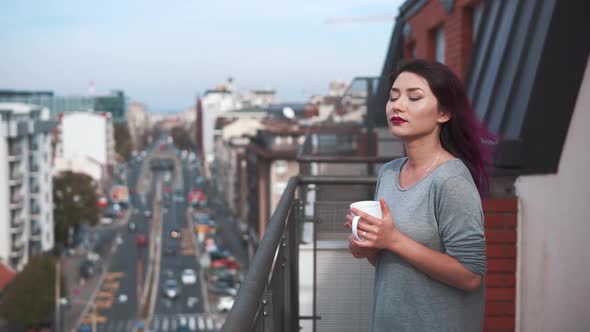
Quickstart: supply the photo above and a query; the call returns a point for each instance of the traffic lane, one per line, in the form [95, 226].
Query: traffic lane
[172, 265]
[125, 263]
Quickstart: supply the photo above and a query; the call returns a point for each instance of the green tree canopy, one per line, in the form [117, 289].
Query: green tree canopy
[75, 201]
[123, 145]
[181, 138]
[30, 297]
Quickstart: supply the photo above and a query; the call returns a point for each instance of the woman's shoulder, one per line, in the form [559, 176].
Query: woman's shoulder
[393, 165]
[453, 172]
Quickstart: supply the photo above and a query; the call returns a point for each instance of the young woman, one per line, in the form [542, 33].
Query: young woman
[429, 248]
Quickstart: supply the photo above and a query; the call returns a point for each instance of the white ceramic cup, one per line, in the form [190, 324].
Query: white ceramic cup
[370, 207]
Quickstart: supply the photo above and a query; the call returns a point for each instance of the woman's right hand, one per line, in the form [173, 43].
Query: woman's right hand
[355, 250]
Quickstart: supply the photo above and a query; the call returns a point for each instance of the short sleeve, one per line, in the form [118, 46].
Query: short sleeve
[460, 220]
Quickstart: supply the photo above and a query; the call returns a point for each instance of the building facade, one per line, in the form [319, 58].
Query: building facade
[26, 189]
[138, 122]
[86, 144]
[113, 103]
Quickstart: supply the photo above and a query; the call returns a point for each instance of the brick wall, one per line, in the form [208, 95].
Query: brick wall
[500, 229]
[457, 29]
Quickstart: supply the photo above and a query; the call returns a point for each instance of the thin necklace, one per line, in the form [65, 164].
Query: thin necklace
[429, 167]
[433, 163]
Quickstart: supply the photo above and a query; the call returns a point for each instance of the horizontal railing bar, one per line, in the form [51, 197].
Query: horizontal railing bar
[341, 159]
[338, 179]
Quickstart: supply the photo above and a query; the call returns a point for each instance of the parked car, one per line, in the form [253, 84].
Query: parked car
[188, 277]
[89, 268]
[223, 289]
[225, 303]
[141, 240]
[147, 213]
[175, 234]
[171, 288]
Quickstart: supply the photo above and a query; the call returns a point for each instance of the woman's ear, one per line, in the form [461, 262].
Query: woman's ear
[443, 116]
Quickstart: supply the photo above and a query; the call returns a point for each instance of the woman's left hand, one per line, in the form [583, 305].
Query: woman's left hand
[380, 233]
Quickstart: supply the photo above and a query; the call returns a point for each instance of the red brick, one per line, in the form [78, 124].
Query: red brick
[500, 280]
[511, 220]
[495, 280]
[500, 205]
[494, 309]
[510, 250]
[493, 220]
[498, 322]
[495, 250]
[501, 265]
[503, 236]
[510, 280]
[500, 294]
[509, 308]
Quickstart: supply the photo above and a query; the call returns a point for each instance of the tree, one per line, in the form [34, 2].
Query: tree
[181, 138]
[30, 297]
[123, 144]
[75, 201]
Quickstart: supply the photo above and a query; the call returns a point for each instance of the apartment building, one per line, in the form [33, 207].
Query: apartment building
[26, 200]
[86, 144]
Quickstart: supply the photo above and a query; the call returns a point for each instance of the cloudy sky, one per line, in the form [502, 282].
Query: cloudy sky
[164, 53]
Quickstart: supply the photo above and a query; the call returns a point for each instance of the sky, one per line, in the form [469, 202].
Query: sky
[164, 53]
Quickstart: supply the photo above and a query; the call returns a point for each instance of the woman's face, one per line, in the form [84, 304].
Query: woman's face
[412, 109]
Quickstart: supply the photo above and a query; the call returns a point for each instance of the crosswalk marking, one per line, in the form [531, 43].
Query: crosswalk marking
[201, 323]
[166, 323]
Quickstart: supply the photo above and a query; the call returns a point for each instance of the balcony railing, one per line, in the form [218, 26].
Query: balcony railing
[15, 178]
[16, 202]
[14, 154]
[269, 298]
[36, 234]
[17, 228]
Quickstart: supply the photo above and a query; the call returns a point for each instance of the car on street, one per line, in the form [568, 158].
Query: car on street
[225, 303]
[131, 226]
[175, 234]
[141, 240]
[147, 213]
[188, 277]
[170, 251]
[171, 288]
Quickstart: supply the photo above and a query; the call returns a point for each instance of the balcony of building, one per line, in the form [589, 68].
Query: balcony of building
[302, 264]
[16, 201]
[17, 248]
[35, 209]
[17, 225]
[36, 231]
[15, 178]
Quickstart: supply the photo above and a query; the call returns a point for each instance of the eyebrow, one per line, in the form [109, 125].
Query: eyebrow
[408, 89]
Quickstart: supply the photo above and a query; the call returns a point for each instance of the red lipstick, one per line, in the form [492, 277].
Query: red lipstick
[396, 120]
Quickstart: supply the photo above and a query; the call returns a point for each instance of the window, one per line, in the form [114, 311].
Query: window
[439, 45]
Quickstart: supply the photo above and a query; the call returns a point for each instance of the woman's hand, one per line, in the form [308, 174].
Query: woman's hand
[378, 233]
[355, 250]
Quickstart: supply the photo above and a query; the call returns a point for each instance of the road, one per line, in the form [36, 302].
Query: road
[117, 298]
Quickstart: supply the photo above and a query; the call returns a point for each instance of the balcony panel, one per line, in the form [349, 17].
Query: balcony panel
[17, 228]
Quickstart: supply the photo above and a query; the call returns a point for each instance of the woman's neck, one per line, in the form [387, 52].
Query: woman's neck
[421, 153]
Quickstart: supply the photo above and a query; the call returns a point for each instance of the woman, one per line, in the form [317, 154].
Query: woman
[429, 248]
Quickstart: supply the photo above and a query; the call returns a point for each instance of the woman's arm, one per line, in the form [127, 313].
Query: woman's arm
[435, 264]
[382, 234]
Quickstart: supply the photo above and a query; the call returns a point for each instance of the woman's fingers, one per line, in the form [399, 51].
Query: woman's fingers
[365, 216]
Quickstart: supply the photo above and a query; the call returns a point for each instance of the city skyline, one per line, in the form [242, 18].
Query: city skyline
[165, 54]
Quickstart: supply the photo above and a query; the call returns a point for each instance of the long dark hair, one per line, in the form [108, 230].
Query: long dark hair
[464, 136]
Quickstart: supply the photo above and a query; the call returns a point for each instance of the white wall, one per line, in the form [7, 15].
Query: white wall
[553, 269]
[85, 135]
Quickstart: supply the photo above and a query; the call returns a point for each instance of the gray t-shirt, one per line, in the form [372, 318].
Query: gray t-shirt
[443, 212]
